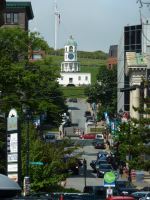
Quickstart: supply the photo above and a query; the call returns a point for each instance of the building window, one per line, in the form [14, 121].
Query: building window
[71, 48]
[70, 80]
[86, 78]
[62, 78]
[79, 78]
[11, 18]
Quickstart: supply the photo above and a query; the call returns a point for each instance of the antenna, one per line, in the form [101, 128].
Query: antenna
[57, 22]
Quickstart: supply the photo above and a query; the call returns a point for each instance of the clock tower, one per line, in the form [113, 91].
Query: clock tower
[70, 63]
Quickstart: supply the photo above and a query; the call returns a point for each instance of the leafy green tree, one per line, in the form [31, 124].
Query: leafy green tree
[104, 92]
[134, 138]
[28, 85]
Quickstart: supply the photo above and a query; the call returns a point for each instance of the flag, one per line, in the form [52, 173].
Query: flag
[58, 18]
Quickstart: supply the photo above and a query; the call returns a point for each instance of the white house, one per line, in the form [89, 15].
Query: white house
[70, 67]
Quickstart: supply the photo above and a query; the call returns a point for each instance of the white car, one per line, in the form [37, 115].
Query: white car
[99, 136]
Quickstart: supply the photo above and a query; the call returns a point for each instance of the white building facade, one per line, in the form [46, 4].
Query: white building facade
[70, 67]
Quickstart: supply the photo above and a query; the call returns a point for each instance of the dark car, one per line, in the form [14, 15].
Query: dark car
[87, 114]
[97, 140]
[50, 137]
[99, 145]
[140, 194]
[98, 191]
[103, 169]
[95, 164]
[123, 186]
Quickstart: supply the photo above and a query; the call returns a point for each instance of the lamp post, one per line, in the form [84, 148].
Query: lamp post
[85, 170]
[27, 177]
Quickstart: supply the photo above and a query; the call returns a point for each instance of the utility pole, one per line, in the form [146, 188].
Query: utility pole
[85, 170]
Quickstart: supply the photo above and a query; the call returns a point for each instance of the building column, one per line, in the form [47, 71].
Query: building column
[135, 102]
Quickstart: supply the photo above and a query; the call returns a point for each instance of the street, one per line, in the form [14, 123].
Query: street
[78, 182]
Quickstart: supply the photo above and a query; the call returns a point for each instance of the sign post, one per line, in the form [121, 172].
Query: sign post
[13, 147]
[109, 179]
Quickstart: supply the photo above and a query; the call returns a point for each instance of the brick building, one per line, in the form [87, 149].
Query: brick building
[18, 14]
[112, 56]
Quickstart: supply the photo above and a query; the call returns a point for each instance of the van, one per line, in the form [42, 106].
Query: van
[50, 137]
[99, 136]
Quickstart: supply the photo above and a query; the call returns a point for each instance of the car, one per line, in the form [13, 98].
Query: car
[102, 154]
[96, 163]
[100, 162]
[99, 136]
[146, 197]
[89, 118]
[87, 136]
[103, 169]
[125, 186]
[98, 191]
[96, 140]
[87, 114]
[74, 100]
[49, 137]
[140, 194]
[120, 198]
[100, 145]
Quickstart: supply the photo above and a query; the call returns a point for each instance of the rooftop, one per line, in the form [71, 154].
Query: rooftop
[26, 5]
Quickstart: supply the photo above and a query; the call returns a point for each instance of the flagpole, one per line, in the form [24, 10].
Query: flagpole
[57, 19]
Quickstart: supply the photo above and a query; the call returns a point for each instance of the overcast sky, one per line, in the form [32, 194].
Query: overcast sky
[94, 24]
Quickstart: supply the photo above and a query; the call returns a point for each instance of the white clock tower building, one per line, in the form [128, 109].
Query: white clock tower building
[70, 67]
[70, 63]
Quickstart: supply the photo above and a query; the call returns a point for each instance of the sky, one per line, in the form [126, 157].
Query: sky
[94, 24]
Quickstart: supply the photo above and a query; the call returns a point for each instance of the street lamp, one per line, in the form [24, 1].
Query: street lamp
[85, 170]
[27, 178]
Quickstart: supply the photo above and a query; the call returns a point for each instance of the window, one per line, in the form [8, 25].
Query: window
[86, 78]
[11, 18]
[71, 48]
[62, 78]
[79, 78]
[70, 80]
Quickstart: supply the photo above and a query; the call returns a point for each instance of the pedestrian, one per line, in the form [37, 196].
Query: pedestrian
[121, 171]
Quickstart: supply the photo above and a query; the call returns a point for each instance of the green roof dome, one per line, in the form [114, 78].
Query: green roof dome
[71, 42]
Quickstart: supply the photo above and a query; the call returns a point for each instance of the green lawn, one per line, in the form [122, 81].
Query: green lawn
[74, 92]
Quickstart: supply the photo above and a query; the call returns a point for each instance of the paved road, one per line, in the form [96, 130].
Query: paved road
[78, 182]
[77, 111]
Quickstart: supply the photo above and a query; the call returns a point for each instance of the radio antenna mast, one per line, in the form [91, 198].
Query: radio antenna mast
[57, 22]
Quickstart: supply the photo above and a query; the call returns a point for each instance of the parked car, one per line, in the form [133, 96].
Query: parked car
[87, 136]
[96, 163]
[120, 198]
[140, 194]
[97, 140]
[124, 186]
[89, 118]
[103, 169]
[100, 145]
[99, 136]
[87, 113]
[98, 191]
[50, 137]
[146, 197]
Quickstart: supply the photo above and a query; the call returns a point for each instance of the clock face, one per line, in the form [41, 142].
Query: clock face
[70, 56]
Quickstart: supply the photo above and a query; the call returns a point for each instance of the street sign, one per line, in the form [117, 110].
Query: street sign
[109, 179]
[36, 163]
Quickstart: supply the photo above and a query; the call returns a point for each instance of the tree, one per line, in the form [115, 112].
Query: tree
[28, 85]
[134, 138]
[104, 92]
